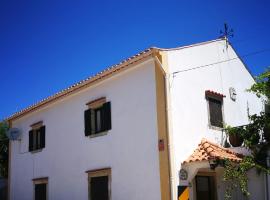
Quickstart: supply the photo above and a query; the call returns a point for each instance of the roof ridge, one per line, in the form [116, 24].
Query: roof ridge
[207, 150]
[100, 75]
[204, 140]
[190, 45]
[82, 83]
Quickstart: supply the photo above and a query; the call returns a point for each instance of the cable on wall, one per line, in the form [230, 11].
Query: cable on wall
[223, 61]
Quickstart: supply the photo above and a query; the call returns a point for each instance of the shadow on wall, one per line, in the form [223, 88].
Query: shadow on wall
[3, 188]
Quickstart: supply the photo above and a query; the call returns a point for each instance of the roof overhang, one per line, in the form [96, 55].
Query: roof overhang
[103, 75]
[205, 155]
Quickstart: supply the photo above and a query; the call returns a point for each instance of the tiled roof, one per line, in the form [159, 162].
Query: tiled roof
[85, 83]
[207, 150]
[97, 77]
[213, 93]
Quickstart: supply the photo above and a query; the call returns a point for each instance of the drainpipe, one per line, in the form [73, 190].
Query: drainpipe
[169, 132]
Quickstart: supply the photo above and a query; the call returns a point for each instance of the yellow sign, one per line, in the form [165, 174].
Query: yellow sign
[183, 193]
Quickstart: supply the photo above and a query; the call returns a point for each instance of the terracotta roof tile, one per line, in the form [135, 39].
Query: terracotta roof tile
[84, 83]
[99, 76]
[213, 93]
[207, 150]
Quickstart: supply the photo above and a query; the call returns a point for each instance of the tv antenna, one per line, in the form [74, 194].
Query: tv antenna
[226, 33]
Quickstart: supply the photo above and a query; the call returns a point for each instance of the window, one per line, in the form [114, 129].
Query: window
[40, 188]
[97, 118]
[215, 101]
[215, 112]
[37, 138]
[99, 184]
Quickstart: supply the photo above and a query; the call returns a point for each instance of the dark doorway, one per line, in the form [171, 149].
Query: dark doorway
[41, 191]
[205, 188]
[99, 188]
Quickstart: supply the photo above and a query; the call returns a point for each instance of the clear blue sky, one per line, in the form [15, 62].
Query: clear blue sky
[46, 46]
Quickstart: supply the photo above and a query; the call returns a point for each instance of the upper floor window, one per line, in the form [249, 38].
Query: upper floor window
[215, 102]
[97, 118]
[37, 137]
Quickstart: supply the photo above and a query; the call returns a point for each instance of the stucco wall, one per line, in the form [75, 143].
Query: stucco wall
[129, 148]
[189, 108]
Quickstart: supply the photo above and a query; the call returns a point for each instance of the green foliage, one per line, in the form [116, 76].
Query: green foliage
[256, 138]
[234, 130]
[236, 176]
[3, 150]
[262, 86]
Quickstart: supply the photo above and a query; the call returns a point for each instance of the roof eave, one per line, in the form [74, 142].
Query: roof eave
[103, 75]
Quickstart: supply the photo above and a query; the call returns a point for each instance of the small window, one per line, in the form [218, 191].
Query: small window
[37, 138]
[99, 184]
[97, 119]
[215, 112]
[40, 188]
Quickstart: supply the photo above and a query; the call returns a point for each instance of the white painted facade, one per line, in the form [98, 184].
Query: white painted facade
[189, 106]
[130, 148]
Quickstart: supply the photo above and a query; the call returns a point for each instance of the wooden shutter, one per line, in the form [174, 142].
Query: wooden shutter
[42, 137]
[40, 191]
[31, 140]
[99, 188]
[87, 122]
[215, 109]
[107, 124]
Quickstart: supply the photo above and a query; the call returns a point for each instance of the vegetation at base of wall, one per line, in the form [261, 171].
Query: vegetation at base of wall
[256, 136]
[3, 150]
[235, 174]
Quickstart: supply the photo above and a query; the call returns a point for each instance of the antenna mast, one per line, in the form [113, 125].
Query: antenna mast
[226, 33]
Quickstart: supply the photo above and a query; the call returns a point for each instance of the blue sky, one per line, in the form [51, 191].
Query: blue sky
[46, 46]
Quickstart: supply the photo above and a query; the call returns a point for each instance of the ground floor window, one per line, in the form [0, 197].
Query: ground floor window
[99, 184]
[40, 188]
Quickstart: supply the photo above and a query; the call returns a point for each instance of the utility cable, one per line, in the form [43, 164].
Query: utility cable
[223, 61]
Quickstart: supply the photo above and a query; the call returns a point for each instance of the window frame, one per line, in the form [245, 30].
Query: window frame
[36, 131]
[42, 180]
[97, 105]
[213, 186]
[96, 110]
[99, 173]
[217, 98]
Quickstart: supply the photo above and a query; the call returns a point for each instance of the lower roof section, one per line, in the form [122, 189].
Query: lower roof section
[207, 150]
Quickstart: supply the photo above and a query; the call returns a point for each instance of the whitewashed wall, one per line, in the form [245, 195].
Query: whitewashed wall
[256, 186]
[129, 148]
[188, 103]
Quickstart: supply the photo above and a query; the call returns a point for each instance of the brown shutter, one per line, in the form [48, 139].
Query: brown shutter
[41, 191]
[87, 122]
[31, 137]
[42, 137]
[215, 109]
[99, 188]
[107, 125]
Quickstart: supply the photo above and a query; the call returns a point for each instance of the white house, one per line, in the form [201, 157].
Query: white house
[126, 132]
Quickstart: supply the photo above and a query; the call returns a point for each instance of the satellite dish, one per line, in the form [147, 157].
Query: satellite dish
[14, 134]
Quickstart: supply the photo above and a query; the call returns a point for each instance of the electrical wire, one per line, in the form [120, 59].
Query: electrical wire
[223, 61]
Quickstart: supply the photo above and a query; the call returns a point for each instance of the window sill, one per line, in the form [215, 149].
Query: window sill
[36, 151]
[217, 128]
[98, 134]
